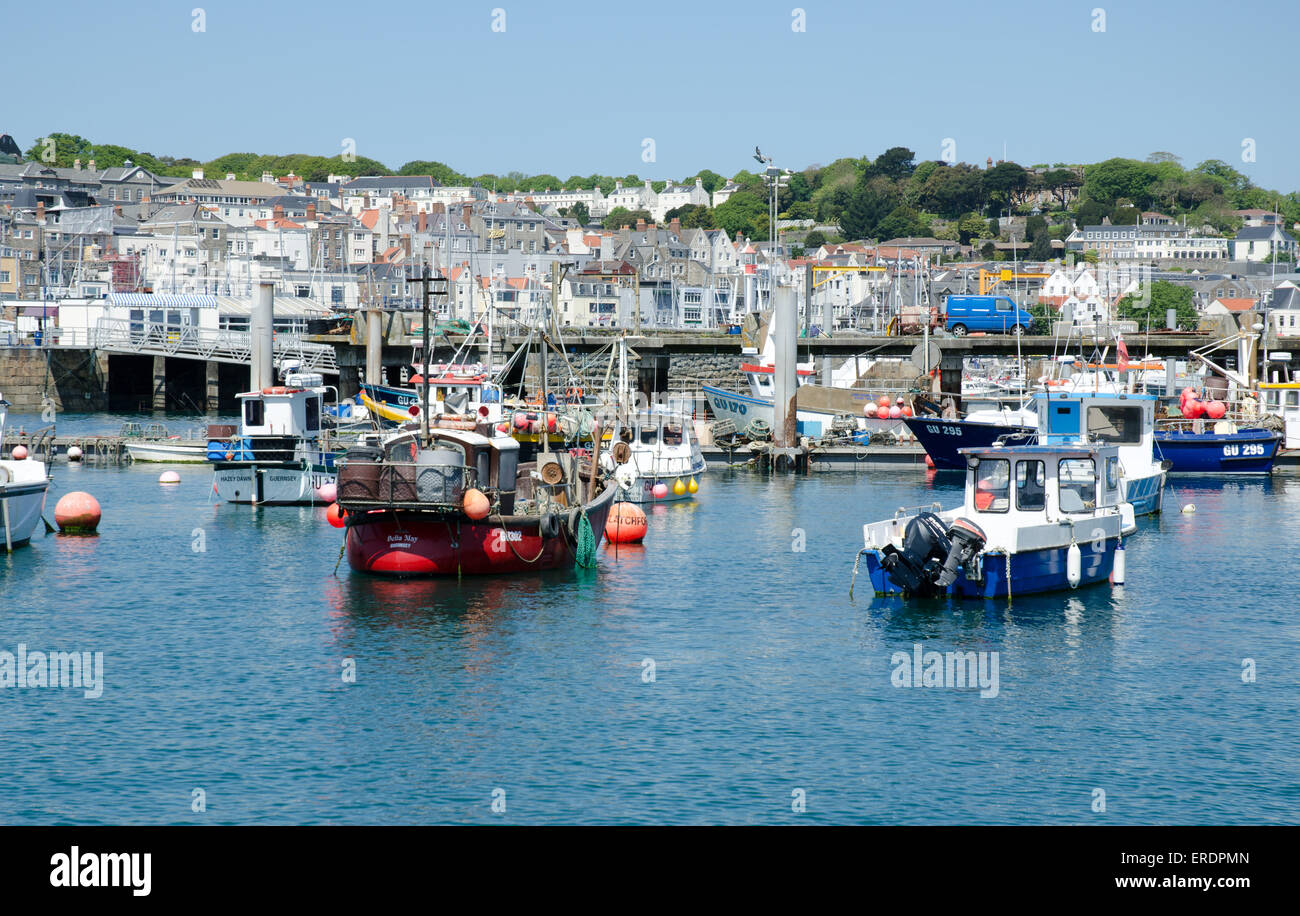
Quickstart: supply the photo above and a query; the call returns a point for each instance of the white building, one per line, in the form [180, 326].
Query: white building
[678, 195]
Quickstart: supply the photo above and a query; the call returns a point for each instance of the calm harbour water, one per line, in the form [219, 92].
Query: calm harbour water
[223, 672]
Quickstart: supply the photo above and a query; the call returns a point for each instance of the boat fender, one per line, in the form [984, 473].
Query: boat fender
[549, 526]
[1073, 565]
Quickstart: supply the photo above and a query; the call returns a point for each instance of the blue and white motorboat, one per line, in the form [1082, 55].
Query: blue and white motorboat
[1035, 518]
[1123, 420]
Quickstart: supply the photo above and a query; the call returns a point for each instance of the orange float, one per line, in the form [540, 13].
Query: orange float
[626, 524]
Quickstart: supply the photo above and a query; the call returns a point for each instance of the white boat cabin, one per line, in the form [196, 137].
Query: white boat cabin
[1127, 421]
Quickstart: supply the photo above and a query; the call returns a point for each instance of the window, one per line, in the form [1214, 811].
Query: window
[649, 435]
[1115, 425]
[1077, 482]
[992, 485]
[672, 434]
[1031, 491]
[253, 412]
[313, 414]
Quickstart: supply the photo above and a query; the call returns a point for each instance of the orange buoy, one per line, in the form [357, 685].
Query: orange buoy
[334, 515]
[77, 513]
[929, 462]
[626, 524]
[1216, 410]
[883, 403]
[20, 453]
[476, 504]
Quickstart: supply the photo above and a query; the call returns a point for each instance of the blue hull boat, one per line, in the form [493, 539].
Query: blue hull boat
[1031, 573]
[1247, 451]
[941, 438]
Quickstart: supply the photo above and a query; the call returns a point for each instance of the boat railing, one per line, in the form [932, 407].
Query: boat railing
[904, 511]
[386, 484]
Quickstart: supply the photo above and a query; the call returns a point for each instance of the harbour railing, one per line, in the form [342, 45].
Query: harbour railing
[147, 338]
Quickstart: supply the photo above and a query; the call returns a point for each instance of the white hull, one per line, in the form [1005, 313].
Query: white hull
[21, 507]
[741, 409]
[170, 454]
[270, 486]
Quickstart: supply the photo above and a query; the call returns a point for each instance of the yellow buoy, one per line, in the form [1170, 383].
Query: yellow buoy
[679, 488]
[693, 486]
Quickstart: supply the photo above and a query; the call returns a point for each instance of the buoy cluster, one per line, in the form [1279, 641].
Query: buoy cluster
[679, 488]
[1194, 408]
[884, 409]
[526, 421]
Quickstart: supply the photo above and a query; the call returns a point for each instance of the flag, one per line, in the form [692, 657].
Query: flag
[1123, 352]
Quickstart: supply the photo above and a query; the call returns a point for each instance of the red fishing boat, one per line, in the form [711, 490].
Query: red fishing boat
[450, 502]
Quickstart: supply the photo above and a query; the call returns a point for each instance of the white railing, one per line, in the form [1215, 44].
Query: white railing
[118, 335]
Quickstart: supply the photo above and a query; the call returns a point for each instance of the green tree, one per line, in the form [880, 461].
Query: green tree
[743, 213]
[814, 240]
[1091, 213]
[1108, 181]
[441, 172]
[621, 218]
[709, 179]
[1006, 183]
[693, 216]
[972, 226]
[1149, 304]
[579, 212]
[902, 222]
[1062, 183]
[872, 201]
[895, 163]
[1040, 249]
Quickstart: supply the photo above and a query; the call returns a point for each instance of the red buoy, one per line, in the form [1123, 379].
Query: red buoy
[929, 462]
[334, 515]
[77, 513]
[1216, 410]
[476, 504]
[626, 524]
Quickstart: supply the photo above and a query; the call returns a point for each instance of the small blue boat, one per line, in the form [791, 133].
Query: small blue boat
[1246, 451]
[1035, 518]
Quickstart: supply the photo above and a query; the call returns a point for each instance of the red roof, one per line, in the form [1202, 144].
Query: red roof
[1237, 305]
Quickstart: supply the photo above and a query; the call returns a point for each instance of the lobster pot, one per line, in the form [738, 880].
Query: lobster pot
[435, 484]
[358, 476]
[397, 483]
[440, 476]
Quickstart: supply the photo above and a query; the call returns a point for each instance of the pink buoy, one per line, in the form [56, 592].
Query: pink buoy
[1194, 409]
[870, 409]
[895, 412]
[169, 477]
[660, 490]
[20, 453]
[327, 492]
[929, 462]
[77, 513]
[1216, 410]
[521, 421]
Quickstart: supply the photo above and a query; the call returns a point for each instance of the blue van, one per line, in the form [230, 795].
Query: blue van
[996, 314]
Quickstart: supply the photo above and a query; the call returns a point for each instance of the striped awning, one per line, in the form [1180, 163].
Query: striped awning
[161, 301]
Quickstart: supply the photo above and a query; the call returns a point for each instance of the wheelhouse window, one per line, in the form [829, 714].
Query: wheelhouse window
[993, 485]
[649, 435]
[1077, 480]
[1031, 486]
[672, 434]
[254, 412]
[1115, 425]
[313, 414]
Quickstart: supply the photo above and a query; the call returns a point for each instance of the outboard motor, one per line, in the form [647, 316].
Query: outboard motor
[967, 540]
[925, 547]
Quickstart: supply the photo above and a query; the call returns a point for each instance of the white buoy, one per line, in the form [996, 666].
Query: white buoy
[1073, 566]
[1189, 508]
[1117, 574]
[169, 477]
[74, 453]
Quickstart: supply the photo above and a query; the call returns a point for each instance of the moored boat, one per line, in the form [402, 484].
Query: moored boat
[1035, 518]
[23, 486]
[458, 502]
[1225, 449]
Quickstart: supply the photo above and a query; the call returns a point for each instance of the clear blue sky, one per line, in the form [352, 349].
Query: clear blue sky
[574, 87]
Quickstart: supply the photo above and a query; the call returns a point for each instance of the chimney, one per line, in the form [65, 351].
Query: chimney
[91, 165]
[40, 211]
[311, 212]
[277, 212]
[676, 226]
[197, 174]
[465, 212]
[422, 222]
[76, 164]
[118, 209]
[651, 228]
[268, 178]
[699, 183]
[640, 224]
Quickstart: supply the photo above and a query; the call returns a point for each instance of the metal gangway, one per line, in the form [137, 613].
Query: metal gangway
[147, 338]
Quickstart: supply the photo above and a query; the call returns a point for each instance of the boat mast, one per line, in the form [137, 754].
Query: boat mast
[425, 281]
